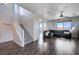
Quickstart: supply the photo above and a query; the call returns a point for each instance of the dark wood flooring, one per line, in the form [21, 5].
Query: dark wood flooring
[53, 46]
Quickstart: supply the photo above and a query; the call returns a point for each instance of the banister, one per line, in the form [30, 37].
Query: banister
[20, 32]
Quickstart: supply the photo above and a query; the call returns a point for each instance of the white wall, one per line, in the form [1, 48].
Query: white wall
[36, 27]
[5, 23]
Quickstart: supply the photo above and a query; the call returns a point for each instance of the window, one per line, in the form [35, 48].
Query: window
[22, 11]
[67, 25]
[60, 26]
[63, 25]
[16, 8]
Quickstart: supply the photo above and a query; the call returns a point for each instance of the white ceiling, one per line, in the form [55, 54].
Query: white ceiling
[52, 10]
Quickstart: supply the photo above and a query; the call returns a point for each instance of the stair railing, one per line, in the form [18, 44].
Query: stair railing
[20, 32]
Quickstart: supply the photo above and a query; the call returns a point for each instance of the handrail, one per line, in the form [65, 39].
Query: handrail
[20, 32]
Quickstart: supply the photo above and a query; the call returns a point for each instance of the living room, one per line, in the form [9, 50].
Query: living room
[63, 25]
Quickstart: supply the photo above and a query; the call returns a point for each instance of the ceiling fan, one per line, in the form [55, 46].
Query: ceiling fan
[61, 13]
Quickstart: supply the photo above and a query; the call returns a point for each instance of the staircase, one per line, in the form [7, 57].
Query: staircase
[27, 37]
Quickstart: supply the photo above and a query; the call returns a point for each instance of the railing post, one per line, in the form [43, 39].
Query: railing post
[23, 38]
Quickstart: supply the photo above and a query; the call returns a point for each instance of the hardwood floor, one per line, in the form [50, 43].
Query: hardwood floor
[53, 46]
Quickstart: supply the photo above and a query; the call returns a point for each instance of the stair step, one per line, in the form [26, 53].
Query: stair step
[27, 37]
[27, 41]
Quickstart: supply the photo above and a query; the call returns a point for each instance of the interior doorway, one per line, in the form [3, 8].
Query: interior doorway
[42, 27]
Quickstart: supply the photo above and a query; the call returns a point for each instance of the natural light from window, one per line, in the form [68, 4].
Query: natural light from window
[64, 26]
